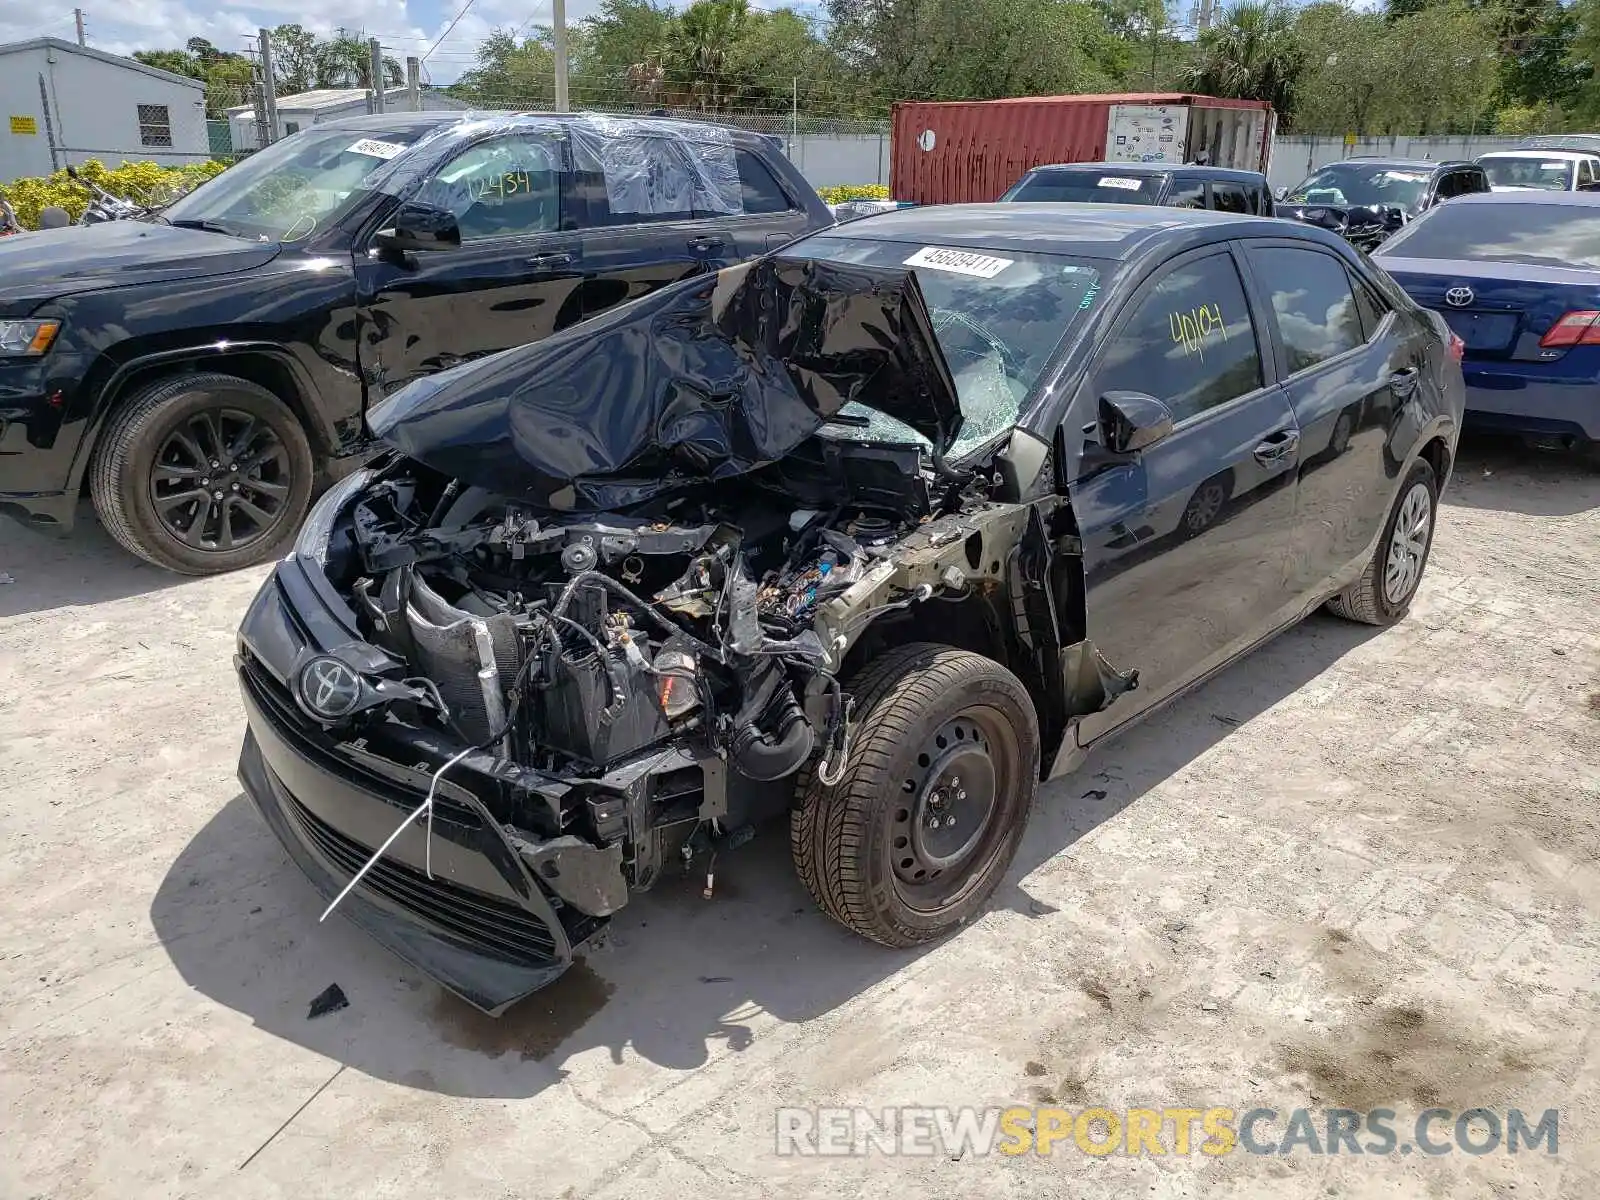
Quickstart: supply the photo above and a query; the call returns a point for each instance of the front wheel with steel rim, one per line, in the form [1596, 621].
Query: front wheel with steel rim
[918, 832]
[203, 473]
[1384, 592]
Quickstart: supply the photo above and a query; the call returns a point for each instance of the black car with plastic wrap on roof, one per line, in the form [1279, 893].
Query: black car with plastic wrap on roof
[874, 532]
[204, 370]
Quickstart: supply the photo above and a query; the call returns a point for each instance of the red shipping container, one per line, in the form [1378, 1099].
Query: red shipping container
[964, 152]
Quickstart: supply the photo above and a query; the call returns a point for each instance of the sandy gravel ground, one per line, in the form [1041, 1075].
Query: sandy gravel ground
[1359, 869]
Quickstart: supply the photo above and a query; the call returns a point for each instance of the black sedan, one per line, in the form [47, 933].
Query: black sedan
[875, 533]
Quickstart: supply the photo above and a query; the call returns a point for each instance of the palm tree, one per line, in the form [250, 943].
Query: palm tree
[1252, 54]
[706, 33]
[345, 61]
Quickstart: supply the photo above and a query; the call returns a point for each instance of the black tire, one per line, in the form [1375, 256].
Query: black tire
[144, 484]
[851, 842]
[1367, 600]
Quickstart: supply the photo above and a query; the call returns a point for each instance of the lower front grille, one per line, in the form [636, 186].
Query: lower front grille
[488, 924]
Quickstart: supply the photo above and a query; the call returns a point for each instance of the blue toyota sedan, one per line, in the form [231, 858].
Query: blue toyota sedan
[1517, 276]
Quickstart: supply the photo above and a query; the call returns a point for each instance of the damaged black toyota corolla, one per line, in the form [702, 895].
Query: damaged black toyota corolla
[876, 532]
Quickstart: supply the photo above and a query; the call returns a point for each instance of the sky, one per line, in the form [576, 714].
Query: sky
[406, 27]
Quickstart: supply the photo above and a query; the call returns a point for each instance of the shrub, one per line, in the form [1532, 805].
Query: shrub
[853, 191]
[141, 182]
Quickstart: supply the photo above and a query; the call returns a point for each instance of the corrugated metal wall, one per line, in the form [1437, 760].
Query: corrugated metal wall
[960, 153]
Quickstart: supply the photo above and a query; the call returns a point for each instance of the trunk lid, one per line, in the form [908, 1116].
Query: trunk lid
[1500, 310]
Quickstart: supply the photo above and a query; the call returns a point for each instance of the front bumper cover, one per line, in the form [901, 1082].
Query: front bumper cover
[514, 890]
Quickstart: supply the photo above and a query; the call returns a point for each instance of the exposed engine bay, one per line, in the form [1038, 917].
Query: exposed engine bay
[710, 629]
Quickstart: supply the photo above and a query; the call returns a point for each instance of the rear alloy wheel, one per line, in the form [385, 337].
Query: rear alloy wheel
[203, 473]
[1385, 590]
[918, 832]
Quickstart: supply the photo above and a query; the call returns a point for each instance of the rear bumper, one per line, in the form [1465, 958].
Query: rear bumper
[1500, 396]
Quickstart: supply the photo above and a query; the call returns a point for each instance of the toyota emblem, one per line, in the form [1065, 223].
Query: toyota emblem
[329, 688]
[1458, 297]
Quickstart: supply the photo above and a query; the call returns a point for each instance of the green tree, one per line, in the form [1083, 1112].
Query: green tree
[177, 61]
[509, 73]
[702, 49]
[1251, 54]
[622, 50]
[294, 59]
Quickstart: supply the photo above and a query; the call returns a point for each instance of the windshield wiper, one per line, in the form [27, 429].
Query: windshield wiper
[210, 226]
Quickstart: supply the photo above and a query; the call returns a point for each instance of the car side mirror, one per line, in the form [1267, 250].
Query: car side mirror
[419, 227]
[1279, 193]
[1132, 421]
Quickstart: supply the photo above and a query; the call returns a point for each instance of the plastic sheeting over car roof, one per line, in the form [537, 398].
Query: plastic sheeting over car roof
[705, 379]
[649, 164]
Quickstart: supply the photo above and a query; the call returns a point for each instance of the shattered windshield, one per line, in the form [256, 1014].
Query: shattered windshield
[999, 316]
[291, 189]
[1363, 184]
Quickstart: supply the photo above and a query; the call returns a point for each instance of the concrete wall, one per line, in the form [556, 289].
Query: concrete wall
[94, 113]
[827, 160]
[1293, 158]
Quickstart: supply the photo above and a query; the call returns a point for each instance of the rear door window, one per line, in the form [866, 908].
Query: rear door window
[1229, 197]
[1312, 304]
[1371, 309]
[1189, 341]
[1187, 193]
[647, 179]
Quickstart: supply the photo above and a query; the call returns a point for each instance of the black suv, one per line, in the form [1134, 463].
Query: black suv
[207, 369]
[1218, 188]
[1367, 199]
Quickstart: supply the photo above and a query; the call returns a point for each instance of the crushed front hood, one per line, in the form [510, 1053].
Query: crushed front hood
[712, 377]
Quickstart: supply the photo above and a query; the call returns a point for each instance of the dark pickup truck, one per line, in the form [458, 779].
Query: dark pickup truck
[206, 369]
[1193, 186]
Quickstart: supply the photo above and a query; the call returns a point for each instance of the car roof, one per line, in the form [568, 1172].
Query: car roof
[1535, 152]
[1536, 196]
[1414, 164]
[379, 122]
[1107, 231]
[1123, 168]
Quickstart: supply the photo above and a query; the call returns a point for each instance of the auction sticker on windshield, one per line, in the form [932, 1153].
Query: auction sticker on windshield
[376, 149]
[1122, 183]
[961, 262]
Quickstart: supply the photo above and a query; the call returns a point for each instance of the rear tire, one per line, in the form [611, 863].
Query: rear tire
[1384, 592]
[875, 851]
[203, 473]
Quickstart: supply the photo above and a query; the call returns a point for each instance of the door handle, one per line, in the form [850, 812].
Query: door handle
[1404, 381]
[558, 258]
[707, 243]
[1278, 447]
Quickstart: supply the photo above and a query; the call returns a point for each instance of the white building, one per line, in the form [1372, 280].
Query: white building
[63, 103]
[305, 109]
